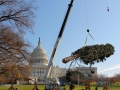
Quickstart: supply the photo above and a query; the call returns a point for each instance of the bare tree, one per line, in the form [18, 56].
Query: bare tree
[14, 15]
[14, 53]
[12, 46]
[117, 77]
[100, 78]
[95, 78]
[17, 14]
[112, 80]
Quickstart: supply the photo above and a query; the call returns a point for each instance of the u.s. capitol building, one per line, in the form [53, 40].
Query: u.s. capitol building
[39, 65]
[40, 62]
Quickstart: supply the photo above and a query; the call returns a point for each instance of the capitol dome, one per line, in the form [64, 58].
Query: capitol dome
[39, 55]
[39, 49]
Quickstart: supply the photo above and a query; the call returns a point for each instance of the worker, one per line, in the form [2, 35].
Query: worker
[71, 86]
[47, 87]
[57, 86]
[96, 88]
[51, 85]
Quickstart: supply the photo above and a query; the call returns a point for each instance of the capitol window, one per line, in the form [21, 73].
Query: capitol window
[34, 69]
[37, 61]
[41, 61]
[34, 73]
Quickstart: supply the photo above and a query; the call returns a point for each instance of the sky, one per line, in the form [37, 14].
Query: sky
[104, 26]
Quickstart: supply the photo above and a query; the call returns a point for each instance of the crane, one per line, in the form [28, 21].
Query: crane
[49, 67]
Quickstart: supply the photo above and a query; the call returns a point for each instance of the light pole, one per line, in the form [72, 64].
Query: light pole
[78, 82]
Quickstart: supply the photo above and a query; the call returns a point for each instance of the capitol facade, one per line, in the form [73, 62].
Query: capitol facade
[39, 65]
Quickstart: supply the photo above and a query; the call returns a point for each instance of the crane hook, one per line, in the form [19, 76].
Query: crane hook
[88, 30]
[108, 9]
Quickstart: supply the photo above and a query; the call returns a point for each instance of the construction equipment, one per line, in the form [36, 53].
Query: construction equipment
[50, 64]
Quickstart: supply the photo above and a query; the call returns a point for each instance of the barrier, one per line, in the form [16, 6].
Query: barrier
[87, 86]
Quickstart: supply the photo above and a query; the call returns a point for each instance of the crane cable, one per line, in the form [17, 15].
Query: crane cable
[107, 6]
[90, 36]
[85, 44]
[87, 23]
[86, 10]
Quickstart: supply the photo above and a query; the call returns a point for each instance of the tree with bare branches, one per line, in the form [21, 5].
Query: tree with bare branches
[16, 17]
[117, 77]
[14, 53]
[17, 14]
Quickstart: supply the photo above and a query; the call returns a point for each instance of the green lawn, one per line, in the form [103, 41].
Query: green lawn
[41, 87]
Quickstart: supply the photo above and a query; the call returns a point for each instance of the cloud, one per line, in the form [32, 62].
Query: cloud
[101, 68]
[110, 68]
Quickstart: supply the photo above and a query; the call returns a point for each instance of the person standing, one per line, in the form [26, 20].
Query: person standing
[47, 87]
[58, 87]
[72, 86]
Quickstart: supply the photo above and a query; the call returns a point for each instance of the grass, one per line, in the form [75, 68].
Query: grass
[41, 87]
[22, 87]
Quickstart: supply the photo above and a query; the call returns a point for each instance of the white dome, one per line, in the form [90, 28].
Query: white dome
[39, 49]
[39, 55]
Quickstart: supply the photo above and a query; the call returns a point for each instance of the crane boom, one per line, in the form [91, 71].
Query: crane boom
[48, 70]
